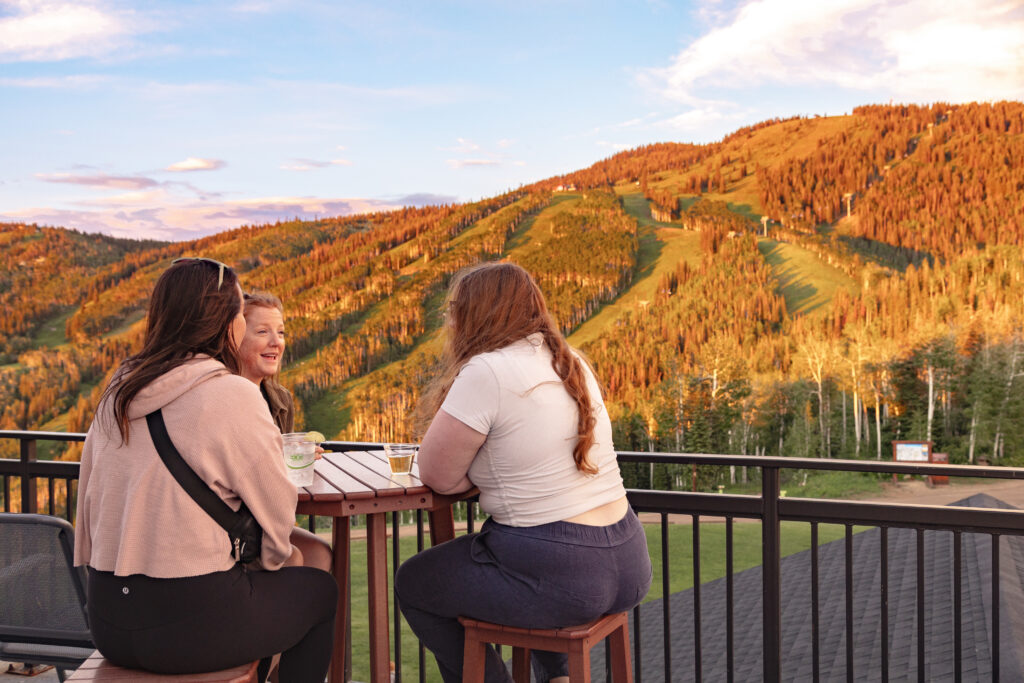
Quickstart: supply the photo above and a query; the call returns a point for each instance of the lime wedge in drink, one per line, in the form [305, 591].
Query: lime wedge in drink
[315, 437]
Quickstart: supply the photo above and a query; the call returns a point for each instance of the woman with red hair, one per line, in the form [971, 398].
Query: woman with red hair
[519, 414]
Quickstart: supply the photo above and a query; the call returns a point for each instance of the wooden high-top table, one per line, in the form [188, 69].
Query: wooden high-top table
[360, 483]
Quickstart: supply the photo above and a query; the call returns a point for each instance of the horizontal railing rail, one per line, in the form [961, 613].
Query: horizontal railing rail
[769, 509]
[28, 469]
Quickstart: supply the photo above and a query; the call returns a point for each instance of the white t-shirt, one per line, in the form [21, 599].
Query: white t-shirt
[524, 469]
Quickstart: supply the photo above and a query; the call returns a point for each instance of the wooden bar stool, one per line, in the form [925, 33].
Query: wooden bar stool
[96, 669]
[576, 641]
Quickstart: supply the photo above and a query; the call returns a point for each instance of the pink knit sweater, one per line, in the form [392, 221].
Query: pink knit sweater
[134, 518]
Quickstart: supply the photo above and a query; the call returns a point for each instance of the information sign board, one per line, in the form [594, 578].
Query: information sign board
[911, 451]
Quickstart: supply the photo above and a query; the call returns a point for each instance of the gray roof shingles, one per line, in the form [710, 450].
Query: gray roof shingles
[976, 645]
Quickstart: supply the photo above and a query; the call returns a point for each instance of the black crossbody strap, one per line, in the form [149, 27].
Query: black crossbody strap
[190, 481]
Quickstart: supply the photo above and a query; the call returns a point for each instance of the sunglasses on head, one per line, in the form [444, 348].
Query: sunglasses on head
[220, 266]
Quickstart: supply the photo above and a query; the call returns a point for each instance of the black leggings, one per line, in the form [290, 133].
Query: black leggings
[216, 621]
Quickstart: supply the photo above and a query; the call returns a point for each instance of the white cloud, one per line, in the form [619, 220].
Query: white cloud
[477, 155]
[463, 146]
[705, 116]
[196, 164]
[43, 30]
[631, 123]
[463, 163]
[915, 50]
[311, 164]
[636, 122]
[334, 91]
[76, 82]
[617, 146]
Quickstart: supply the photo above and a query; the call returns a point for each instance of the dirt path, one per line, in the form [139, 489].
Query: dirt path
[905, 492]
[917, 493]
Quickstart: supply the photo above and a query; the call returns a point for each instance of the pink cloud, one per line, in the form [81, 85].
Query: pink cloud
[163, 218]
[101, 180]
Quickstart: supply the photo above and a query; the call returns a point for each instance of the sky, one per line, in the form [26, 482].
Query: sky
[175, 120]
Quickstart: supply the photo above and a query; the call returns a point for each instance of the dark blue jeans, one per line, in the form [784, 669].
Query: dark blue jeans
[546, 576]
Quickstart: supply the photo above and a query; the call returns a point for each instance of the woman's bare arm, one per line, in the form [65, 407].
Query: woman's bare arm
[446, 453]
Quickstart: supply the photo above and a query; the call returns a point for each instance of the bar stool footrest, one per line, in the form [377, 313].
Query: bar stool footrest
[575, 641]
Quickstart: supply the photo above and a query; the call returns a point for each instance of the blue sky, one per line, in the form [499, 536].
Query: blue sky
[173, 120]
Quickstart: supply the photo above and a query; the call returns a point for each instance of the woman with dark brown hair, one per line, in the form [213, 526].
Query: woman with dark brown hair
[164, 592]
[519, 414]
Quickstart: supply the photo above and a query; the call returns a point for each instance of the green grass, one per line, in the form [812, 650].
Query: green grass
[820, 484]
[536, 231]
[328, 414]
[805, 282]
[848, 485]
[796, 537]
[521, 236]
[746, 554]
[638, 206]
[747, 211]
[51, 332]
[661, 248]
[131, 320]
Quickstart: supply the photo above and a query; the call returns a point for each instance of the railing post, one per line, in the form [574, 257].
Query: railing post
[28, 482]
[772, 585]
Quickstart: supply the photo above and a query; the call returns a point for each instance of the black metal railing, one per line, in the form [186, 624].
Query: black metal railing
[28, 470]
[770, 509]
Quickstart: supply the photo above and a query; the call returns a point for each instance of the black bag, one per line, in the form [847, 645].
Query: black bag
[244, 531]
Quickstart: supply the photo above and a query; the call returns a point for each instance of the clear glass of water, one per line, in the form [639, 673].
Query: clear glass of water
[299, 456]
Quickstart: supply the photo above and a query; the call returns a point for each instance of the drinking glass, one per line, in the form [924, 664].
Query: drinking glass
[299, 456]
[400, 457]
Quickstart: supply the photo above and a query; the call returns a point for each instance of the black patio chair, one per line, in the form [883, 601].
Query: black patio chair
[42, 594]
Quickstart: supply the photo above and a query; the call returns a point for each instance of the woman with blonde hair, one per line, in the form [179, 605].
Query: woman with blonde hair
[519, 414]
[260, 355]
[262, 352]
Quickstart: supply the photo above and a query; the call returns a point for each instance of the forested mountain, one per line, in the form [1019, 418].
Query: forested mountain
[686, 273]
[48, 271]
